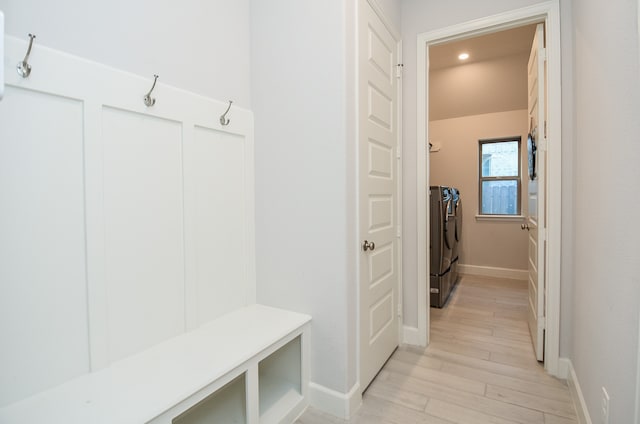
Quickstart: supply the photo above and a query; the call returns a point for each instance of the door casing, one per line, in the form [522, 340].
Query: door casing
[549, 13]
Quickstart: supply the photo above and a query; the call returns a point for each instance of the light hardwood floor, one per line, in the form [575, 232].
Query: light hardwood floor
[479, 368]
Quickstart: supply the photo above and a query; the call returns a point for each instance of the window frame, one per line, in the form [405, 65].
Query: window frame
[517, 178]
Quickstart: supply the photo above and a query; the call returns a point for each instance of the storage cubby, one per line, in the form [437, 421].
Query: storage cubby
[227, 405]
[280, 381]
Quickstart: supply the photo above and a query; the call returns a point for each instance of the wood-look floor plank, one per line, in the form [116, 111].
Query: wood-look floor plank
[417, 359]
[514, 359]
[435, 376]
[411, 400]
[478, 369]
[315, 416]
[460, 415]
[464, 399]
[511, 335]
[553, 419]
[538, 389]
[550, 406]
[461, 349]
[375, 409]
[526, 374]
[515, 349]
[470, 336]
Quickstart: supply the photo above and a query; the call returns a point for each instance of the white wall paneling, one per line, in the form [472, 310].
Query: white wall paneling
[144, 255]
[43, 317]
[122, 226]
[220, 193]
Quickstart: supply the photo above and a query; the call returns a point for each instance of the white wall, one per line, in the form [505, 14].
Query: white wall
[200, 46]
[305, 231]
[417, 17]
[606, 299]
[568, 159]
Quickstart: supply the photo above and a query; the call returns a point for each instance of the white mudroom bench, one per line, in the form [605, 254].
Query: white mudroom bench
[247, 366]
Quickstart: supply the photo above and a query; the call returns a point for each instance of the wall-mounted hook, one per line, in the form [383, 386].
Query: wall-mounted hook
[148, 100]
[223, 117]
[23, 68]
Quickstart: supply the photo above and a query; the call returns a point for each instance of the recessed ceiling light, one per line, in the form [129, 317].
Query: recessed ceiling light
[463, 56]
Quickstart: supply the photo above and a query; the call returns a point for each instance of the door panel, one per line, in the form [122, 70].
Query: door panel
[536, 194]
[377, 55]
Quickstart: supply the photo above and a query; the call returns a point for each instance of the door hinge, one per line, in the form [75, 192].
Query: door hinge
[399, 232]
[545, 130]
[399, 310]
[542, 323]
[399, 69]
[542, 144]
[542, 55]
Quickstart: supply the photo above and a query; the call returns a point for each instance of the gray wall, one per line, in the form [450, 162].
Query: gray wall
[607, 269]
[305, 233]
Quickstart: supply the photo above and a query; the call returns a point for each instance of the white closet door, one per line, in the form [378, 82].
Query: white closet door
[378, 129]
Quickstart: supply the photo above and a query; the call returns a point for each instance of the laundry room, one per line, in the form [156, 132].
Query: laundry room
[478, 131]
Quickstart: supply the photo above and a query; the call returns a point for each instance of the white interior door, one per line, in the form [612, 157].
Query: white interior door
[378, 137]
[536, 194]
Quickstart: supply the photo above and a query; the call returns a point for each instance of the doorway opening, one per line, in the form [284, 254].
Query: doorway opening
[547, 13]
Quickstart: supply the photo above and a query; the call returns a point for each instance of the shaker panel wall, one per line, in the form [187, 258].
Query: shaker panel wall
[42, 256]
[121, 225]
[221, 239]
[144, 237]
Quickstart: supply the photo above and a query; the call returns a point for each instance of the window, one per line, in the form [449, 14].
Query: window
[500, 176]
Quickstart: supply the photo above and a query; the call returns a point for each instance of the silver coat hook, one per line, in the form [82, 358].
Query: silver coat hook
[23, 68]
[223, 117]
[148, 100]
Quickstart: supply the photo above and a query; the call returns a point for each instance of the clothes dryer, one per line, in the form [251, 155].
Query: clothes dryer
[440, 244]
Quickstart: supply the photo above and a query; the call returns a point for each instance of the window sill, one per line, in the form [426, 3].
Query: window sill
[500, 217]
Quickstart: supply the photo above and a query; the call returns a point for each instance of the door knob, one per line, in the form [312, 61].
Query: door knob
[524, 226]
[368, 245]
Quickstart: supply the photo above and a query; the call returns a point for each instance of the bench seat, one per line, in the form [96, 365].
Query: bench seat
[142, 387]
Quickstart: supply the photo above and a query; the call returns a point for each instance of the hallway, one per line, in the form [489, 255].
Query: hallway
[479, 368]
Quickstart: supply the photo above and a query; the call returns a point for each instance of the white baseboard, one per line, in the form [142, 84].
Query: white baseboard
[637, 414]
[490, 271]
[576, 393]
[341, 405]
[411, 336]
[564, 367]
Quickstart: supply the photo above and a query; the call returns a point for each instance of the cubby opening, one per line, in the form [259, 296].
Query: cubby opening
[280, 381]
[227, 405]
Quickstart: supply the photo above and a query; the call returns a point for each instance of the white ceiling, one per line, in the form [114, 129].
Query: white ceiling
[486, 47]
